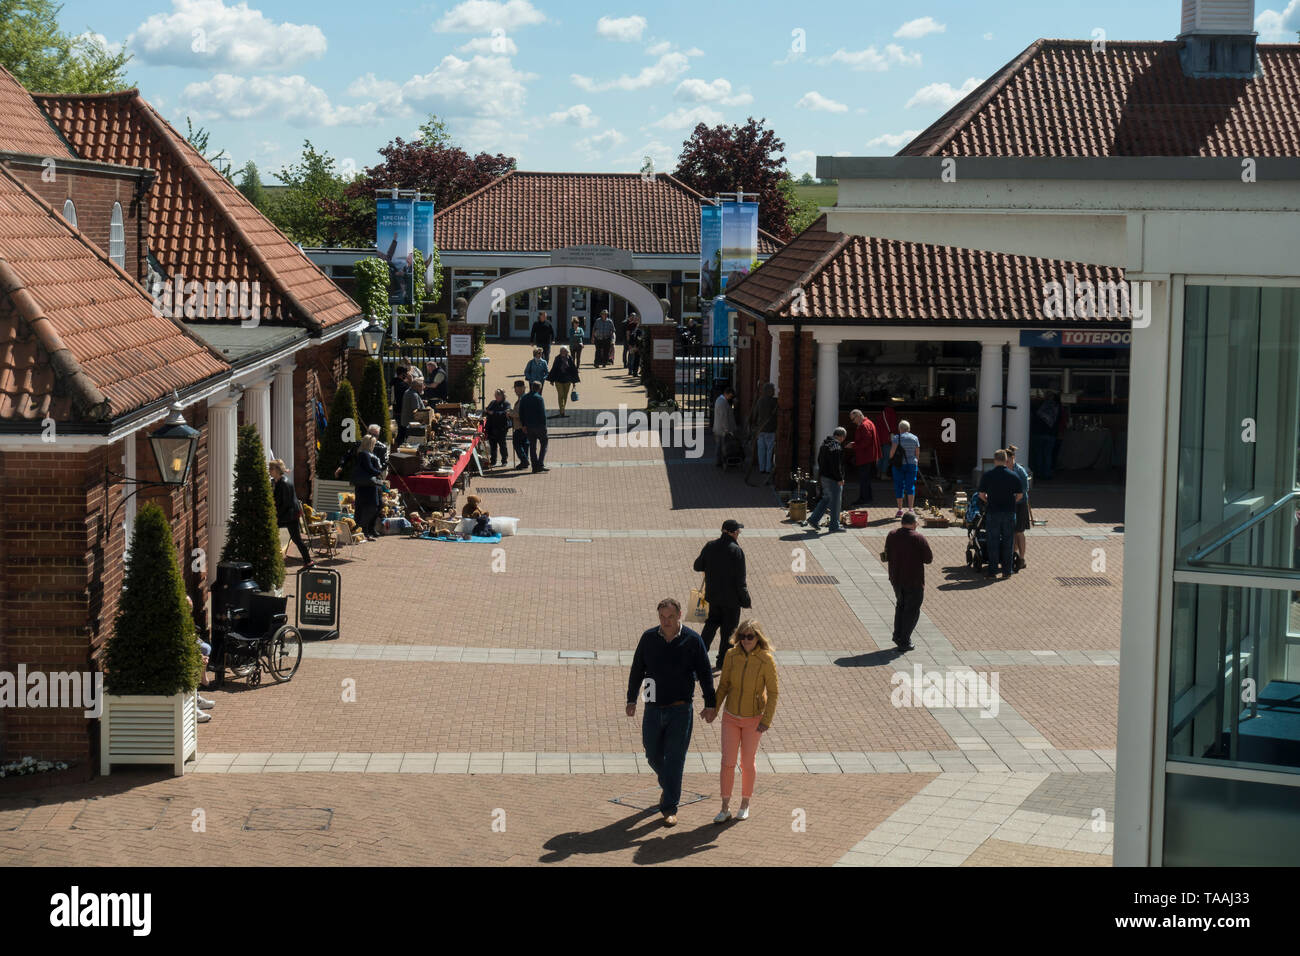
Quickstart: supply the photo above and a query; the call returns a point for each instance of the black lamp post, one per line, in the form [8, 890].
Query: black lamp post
[174, 444]
[372, 338]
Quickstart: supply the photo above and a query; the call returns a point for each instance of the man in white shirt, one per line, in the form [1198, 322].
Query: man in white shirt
[724, 420]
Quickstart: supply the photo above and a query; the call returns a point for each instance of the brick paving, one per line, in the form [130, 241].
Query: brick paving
[457, 713]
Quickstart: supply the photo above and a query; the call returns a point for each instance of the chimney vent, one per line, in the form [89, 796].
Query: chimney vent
[1218, 38]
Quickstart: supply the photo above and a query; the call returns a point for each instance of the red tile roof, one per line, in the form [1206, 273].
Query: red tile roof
[863, 279]
[538, 212]
[201, 225]
[1059, 98]
[79, 340]
[24, 128]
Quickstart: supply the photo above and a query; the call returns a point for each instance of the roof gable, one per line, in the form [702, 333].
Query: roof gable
[24, 128]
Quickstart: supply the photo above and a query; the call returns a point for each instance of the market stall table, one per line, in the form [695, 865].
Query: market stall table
[430, 485]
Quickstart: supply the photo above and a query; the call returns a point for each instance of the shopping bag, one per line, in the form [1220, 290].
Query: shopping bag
[573, 396]
[699, 608]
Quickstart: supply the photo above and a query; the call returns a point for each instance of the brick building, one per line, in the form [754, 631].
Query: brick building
[132, 275]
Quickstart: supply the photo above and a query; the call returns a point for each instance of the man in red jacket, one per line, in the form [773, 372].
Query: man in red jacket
[866, 451]
[908, 553]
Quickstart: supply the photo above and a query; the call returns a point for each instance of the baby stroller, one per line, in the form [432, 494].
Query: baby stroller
[977, 536]
[733, 452]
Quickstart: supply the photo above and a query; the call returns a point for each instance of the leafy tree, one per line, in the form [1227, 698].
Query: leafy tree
[372, 285]
[250, 184]
[803, 212]
[807, 180]
[252, 534]
[46, 60]
[433, 132]
[722, 159]
[198, 138]
[153, 650]
[372, 403]
[314, 210]
[343, 410]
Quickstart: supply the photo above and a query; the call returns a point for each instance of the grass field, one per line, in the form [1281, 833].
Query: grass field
[821, 195]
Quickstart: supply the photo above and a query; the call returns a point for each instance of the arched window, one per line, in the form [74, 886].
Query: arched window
[70, 213]
[117, 237]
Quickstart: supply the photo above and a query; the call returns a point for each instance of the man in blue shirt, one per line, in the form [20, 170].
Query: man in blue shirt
[669, 659]
[999, 492]
[532, 418]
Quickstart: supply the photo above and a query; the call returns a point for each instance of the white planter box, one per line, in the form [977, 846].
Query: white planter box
[325, 495]
[148, 730]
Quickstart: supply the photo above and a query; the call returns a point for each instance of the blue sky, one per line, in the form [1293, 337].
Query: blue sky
[587, 84]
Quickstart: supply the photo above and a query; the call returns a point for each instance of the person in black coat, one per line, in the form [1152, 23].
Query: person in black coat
[366, 473]
[532, 419]
[563, 375]
[723, 564]
[497, 427]
[287, 508]
[542, 335]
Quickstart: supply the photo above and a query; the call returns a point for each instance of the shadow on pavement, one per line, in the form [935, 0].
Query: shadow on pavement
[873, 659]
[963, 578]
[618, 835]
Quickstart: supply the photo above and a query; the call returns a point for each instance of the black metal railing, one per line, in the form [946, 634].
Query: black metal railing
[702, 373]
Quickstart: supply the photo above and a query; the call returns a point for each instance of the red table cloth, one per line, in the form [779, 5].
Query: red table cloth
[436, 486]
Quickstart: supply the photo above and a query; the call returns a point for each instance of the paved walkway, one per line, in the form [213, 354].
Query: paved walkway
[472, 712]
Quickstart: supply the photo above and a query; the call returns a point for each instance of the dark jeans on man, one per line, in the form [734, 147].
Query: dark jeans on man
[546, 352]
[634, 363]
[497, 446]
[537, 443]
[666, 735]
[724, 620]
[1042, 449]
[1001, 527]
[521, 447]
[295, 535]
[906, 613]
[864, 482]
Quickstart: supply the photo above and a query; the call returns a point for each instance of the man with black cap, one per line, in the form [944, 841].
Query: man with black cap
[723, 565]
[907, 553]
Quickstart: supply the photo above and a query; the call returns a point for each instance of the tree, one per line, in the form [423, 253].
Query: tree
[252, 534]
[153, 650]
[807, 180]
[723, 159]
[340, 434]
[372, 403]
[433, 132]
[198, 138]
[46, 60]
[803, 212]
[250, 184]
[314, 210]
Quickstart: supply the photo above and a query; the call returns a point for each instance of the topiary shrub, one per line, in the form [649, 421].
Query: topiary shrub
[341, 431]
[252, 534]
[372, 404]
[152, 651]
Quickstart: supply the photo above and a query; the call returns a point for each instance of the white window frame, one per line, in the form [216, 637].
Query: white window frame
[117, 236]
[70, 212]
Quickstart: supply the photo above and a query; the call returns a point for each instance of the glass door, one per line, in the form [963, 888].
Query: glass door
[523, 310]
[580, 308]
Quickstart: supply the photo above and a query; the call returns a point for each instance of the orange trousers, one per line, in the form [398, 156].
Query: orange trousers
[739, 734]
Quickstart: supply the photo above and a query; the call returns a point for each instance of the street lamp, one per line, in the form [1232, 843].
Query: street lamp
[372, 338]
[174, 444]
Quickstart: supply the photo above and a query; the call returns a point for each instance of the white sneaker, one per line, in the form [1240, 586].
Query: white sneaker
[722, 817]
[204, 703]
[742, 814]
[202, 717]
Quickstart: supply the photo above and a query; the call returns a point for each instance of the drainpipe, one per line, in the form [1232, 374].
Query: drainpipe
[795, 454]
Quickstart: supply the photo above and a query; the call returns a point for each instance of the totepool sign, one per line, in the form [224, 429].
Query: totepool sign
[1076, 339]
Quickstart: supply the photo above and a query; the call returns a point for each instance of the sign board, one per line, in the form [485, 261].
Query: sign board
[462, 344]
[1077, 339]
[710, 251]
[663, 349]
[594, 256]
[395, 241]
[319, 593]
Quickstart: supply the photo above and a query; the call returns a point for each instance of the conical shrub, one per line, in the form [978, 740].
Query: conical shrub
[152, 650]
[343, 415]
[372, 403]
[252, 534]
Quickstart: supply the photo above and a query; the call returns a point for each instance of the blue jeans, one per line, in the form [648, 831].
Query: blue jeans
[832, 492]
[1001, 527]
[766, 446]
[666, 734]
[905, 480]
[521, 447]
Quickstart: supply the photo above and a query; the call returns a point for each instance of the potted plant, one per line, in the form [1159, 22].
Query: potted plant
[252, 534]
[152, 660]
[798, 503]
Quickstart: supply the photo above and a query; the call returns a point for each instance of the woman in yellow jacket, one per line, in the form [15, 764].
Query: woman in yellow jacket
[747, 698]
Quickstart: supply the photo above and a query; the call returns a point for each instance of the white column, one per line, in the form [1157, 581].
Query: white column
[282, 411]
[828, 389]
[223, 427]
[774, 367]
[257, 411]
[1018, 395]
[990, 418]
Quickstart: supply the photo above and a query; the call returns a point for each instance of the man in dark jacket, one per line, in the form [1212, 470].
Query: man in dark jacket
[907, 553]
[830, 459]
[1000, 492]
[723, 564]
[669, 659]
[519, 437]
[401, 385]
[532, 417]
[543, 334]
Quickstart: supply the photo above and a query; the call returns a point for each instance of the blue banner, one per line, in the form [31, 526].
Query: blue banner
[424, 227]
[721, 334]
[710, 253]
[739, 240]
[395, 240]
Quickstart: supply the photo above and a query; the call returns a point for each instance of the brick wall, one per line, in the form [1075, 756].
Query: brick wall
[788, 403]
[456, 363]
[93, 195]
[323, 365]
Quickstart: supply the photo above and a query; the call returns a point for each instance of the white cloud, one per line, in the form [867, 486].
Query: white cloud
[812, 100]
[579, 115]
[716, 91]
[873, 59]
[893, 141]
[660, 48]
[386, 94]
[941, 94]
[664, 157]
[484, 16]
[803, 161]
[687, 117]
[595, 146]
[1276, 26]
[286, 99]
[664, 70]
[492, 136]
[483, 86]
[922, 26]
[695, 51]
[988, 36]
[496, 45]
[625, 29]
[207, 33]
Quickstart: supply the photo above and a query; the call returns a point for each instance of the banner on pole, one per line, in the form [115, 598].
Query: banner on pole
[739, 240]
[710, 253]
[395, 240]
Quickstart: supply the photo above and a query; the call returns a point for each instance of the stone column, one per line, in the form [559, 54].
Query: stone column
[282, 414]
[990, 418]
[774, 370]
[828, 388]
[223, 422]
[1018, 395]
[257, 411]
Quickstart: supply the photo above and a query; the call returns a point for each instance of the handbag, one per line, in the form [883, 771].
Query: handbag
[699, 608]
[899, 457]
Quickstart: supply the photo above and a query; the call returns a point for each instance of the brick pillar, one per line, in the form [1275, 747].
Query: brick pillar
[456, 363]
[663, 369]
[787, 402]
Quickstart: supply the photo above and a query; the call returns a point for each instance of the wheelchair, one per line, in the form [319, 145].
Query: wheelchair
[259, 638]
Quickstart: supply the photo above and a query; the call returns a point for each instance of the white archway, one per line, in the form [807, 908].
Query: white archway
[499, 290]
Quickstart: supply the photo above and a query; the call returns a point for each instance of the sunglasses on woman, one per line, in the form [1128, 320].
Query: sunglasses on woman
[748, 637]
